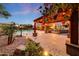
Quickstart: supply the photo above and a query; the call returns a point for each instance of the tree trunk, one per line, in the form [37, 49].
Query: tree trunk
[10, 39]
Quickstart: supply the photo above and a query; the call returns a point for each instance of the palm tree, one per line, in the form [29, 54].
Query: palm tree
[3, 12]
[9, 30]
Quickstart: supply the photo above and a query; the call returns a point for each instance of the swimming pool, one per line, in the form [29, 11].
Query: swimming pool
[24, 32]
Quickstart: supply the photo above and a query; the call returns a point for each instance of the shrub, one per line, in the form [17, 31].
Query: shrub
[33, 48]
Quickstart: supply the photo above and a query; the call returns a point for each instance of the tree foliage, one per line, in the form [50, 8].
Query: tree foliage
[54, 8]
[4, 12]
[8, 29]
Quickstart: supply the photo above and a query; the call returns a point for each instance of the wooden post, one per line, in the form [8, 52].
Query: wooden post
[72, 48]
[74, 27]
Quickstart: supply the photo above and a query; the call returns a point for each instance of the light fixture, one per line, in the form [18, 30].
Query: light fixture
[45, 53]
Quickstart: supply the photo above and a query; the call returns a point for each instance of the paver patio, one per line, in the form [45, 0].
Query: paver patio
[9, 49]
[51, 42]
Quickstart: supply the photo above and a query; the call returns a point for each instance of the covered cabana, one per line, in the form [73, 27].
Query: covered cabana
[72, 47]
[46, 20]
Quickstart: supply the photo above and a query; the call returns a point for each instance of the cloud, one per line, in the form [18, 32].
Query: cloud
[26, 9]
[21, 12]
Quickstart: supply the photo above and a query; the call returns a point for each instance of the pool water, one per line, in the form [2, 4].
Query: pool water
[24, 32]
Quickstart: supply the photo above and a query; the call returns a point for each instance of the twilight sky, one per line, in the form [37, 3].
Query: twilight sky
[22, 13]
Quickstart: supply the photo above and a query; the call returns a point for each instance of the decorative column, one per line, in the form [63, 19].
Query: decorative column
[43, 26]
[34, 34]
[72, 48]
[46, 28]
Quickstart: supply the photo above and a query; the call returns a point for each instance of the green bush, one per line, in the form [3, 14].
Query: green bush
[34, 49]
